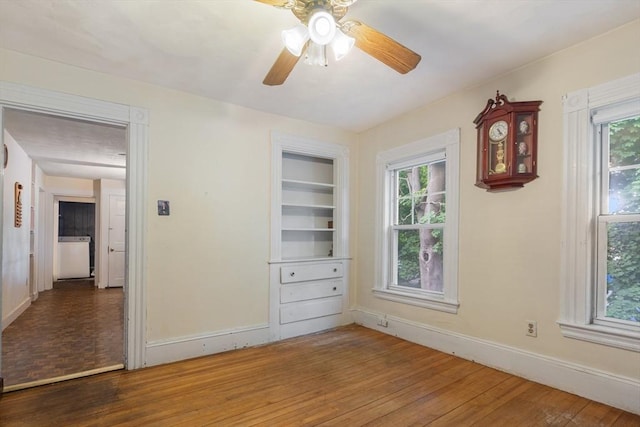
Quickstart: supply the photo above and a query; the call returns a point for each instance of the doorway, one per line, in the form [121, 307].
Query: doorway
[70, 327]
[135, 121]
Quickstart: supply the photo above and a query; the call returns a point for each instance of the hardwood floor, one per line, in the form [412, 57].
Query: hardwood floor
[350, 376]
[72, 328]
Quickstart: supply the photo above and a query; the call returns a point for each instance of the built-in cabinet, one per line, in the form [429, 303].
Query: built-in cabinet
[309, 236]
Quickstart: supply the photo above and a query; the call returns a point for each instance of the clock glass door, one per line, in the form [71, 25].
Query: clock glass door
[498, 148]
[523, 144]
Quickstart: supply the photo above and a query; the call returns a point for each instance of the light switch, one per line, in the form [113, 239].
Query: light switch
[163, 208]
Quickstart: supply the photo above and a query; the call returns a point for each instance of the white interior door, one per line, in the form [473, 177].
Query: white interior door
[116, 257]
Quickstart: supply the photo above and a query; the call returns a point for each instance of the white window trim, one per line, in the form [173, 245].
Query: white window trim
[581, 110]
[446, 301]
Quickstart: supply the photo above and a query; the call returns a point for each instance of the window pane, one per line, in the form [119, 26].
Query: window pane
[624, 166]
[405, 198]
[421, 194]
[419, 259]
[623, 271]
[624, 191]
[624, 142]
[437, 214]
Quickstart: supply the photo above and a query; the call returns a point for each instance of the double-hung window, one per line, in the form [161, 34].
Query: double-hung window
[601, 228]
[618, 222]
[418, 223]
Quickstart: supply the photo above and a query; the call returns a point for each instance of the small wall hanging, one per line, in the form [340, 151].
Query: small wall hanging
[18, 203]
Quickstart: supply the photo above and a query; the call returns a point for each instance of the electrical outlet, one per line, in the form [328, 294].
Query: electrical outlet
[532, 328]
[382, 321]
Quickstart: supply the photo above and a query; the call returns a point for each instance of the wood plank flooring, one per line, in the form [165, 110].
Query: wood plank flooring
[72, 328]
[351, 376]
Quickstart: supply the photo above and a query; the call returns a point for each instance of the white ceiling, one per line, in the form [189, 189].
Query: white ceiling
[69, 147]
[222, 49]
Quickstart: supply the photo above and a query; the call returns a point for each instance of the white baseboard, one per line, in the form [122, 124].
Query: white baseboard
[171, 350]
[613, 390]
[16, 312]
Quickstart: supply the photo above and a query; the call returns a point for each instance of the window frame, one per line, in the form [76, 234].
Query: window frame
[395, 227]
[603, 216]
[584, 113]
[444, 146]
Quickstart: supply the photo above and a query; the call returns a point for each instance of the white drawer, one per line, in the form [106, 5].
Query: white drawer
[297, 311]
[309, 272]
[307, 291]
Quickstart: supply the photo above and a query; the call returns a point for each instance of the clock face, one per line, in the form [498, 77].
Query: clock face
[498, 131]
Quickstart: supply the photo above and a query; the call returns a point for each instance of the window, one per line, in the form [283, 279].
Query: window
[618, 223]
[417, 244]
[601, 243]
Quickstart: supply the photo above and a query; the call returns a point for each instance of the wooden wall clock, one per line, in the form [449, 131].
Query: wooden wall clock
[507, 143]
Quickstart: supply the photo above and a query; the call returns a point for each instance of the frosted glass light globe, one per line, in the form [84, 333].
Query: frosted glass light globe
[322, 27]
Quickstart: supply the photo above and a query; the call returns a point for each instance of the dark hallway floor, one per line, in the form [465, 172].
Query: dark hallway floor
[72, 328]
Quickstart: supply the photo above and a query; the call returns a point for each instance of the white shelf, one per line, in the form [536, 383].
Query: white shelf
[306, 168]
[308, 229]
[295, 183]
[294, 259]
[307, 206]
[297, 216]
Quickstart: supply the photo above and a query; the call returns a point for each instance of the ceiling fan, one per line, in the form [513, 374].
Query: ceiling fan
[320, 27]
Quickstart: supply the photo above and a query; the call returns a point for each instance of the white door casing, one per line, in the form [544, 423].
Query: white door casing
[1, 224]
[116, 255]
[137, 122]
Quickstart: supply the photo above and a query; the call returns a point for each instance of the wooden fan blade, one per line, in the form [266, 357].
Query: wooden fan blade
[281, 68]
[382, 47]
[278, 3]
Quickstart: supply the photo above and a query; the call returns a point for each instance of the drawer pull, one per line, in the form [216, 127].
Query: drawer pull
[292, 274]
[335, 288]
[335, 270]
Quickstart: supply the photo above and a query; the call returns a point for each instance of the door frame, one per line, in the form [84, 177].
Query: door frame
[136, 120]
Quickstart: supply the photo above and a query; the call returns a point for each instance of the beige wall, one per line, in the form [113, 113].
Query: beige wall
[509, 260]
[71, 187]
[207, 262]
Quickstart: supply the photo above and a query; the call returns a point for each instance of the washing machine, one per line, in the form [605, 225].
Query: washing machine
[73, 257]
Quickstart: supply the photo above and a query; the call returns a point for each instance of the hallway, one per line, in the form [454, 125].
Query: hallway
[72, 328]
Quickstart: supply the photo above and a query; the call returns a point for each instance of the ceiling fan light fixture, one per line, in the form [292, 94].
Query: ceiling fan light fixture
[316, 55]
[295, 38]
[341, 45]
[322, 27]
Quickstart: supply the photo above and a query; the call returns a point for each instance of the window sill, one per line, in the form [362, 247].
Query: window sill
[612, 337]
[419, 300]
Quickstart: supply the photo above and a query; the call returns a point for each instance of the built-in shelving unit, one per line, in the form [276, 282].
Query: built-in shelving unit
[309, 246]
[307, 206]
[308, 214]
